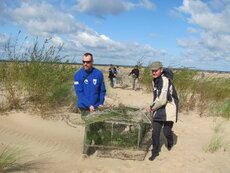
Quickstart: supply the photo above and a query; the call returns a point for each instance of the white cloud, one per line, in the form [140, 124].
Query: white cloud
[3, 12]
[101, 8]
[58, 40]
[192, 30]
[153, 35]
[214, 34]
[4, 38]
[147, 4]
[110, 51]
[46, 20]
[42, 19]
[202, 16]
[188, 42]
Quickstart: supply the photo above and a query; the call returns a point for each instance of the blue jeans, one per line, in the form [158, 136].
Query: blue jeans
[111, 82]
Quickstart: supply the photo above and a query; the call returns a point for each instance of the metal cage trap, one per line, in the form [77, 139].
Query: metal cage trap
[118, 132]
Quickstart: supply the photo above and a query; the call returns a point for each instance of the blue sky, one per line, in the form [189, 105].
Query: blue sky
[180, 33]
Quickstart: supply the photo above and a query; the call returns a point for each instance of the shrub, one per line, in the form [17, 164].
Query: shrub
[146, 78]
[40, 71]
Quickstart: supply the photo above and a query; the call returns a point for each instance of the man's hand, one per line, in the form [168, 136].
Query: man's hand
[91, 108]
[148, 109]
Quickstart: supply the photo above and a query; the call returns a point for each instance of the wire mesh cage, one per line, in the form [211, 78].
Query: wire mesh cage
[118, 128]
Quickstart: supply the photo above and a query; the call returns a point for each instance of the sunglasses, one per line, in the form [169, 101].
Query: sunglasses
[87, 62]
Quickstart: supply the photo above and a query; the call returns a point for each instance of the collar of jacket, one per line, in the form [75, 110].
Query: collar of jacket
[89, 71]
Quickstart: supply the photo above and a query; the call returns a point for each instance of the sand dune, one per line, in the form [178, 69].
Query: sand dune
[55, 147]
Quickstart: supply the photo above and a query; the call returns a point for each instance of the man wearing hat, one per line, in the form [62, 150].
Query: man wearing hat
[164, 109]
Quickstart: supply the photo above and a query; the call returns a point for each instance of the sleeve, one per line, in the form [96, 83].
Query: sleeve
[131, 73]
[79, 90]
[161, 100]
[138, 73]
[102, 90]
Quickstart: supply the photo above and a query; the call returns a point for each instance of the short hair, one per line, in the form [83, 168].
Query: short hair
[89, 54]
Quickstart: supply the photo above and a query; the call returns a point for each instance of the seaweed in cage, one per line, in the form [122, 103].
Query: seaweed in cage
[116, 127]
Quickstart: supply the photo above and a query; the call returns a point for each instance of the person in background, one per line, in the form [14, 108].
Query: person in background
[118, 76]
[164, 109]
[135, 75]
[112, 75]
[90, 89]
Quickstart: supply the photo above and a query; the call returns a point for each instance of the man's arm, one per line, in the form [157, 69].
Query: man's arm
[131, 72]
[79, 90]
[102, 90]
[162, 99]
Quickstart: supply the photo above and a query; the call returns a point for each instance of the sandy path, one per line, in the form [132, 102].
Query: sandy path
[56, 147]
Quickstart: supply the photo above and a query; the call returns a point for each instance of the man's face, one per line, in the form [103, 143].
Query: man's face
[87, 62]
[157, 73]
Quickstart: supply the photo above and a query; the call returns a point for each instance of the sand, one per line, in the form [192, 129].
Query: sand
[53, 146]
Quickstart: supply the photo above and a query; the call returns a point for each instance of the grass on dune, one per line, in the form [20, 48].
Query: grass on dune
[44, 77]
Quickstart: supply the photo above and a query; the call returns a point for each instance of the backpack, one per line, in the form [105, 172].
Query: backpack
[169, 74]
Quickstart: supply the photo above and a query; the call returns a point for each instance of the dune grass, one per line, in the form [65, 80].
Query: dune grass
[8, 158]
[217, 139]
[12, 160]
[214, 145]
[40, 74]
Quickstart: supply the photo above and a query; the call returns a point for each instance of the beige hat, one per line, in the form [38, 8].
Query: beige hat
[156, 65]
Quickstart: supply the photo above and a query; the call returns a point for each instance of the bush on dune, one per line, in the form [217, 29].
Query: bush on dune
[41, 72]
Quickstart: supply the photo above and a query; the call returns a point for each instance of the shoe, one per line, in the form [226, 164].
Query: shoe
[154, 155]
[169, 147]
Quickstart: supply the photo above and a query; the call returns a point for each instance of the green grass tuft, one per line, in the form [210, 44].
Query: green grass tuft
[9, 158]
[214, 145]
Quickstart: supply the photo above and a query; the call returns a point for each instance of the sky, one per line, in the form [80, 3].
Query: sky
[179, 33]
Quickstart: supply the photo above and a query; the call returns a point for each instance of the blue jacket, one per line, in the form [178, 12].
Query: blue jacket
[89, 87]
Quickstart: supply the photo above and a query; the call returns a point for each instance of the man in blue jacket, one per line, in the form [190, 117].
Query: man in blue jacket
[89, 86]
[90, 89]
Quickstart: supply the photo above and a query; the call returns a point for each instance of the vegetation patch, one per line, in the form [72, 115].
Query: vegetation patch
[39, 75]
[216, 142]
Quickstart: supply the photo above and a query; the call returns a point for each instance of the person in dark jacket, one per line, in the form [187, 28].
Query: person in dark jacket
[90, 89]
[164, 109]
[112, 75]
[135, 74]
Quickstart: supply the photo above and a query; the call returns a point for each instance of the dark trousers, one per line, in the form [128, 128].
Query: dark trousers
[167, 130]
[111, 81]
